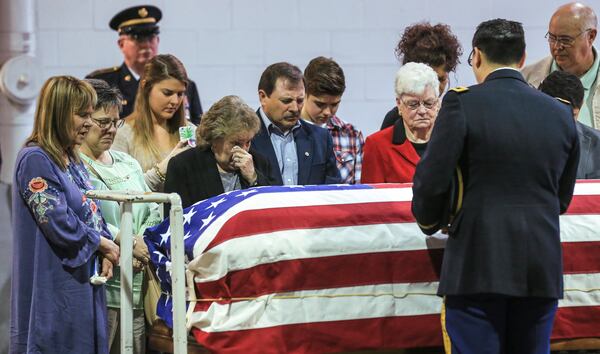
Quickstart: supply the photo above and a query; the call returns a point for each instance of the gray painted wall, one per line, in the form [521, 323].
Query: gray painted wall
[226, 44]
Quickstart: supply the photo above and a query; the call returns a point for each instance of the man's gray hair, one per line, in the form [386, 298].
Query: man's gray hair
[414, 78]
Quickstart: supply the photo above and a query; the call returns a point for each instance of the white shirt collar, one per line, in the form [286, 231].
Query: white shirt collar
[135, 76]
[268, 122]
[506, 67]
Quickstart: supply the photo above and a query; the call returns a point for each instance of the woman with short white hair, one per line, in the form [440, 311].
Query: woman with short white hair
[391, 155]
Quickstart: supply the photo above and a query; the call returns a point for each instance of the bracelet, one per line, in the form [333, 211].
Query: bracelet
[255, 183]
[161, 176]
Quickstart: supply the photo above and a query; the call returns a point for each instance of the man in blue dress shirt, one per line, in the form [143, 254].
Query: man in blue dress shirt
[300, 153]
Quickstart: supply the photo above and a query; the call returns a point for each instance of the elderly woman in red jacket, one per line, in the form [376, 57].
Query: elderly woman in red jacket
[391, 155]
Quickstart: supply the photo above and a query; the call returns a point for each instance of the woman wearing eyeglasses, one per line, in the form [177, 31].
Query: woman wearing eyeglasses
[434, 45]
[115, 170]
[391, 154]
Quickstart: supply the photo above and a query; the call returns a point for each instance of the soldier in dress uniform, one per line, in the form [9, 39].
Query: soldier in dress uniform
[138, 41]
[515, 154]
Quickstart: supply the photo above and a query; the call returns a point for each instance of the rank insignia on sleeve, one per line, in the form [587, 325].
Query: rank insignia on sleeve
[459, 89]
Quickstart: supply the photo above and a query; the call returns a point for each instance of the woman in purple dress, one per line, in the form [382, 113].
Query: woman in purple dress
[60, 239]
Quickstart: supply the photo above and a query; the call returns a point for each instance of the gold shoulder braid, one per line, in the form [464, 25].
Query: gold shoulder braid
[563, 100]
[105, 71]
[459, 89]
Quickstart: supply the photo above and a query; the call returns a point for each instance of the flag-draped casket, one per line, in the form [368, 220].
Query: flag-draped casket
[339, 268]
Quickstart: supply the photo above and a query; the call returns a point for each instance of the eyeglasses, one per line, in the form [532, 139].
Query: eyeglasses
[470, 59]
[563, 41]
[413, 105]
[107, 123]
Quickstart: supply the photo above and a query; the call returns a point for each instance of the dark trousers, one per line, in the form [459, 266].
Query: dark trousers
[498, 324]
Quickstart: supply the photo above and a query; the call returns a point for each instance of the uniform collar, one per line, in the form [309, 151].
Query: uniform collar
[132, 73]
[505, 73]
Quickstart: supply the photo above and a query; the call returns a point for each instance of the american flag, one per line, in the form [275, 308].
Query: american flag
[311, 269]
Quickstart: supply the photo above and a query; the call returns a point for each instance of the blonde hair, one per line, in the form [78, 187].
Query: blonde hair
[161, 67]
[228, 116]
[60, 98]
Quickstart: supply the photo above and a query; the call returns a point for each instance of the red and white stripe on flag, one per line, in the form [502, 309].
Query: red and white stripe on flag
[342, 270]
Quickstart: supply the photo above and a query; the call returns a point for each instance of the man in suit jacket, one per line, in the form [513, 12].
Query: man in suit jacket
[571, 34]
[515, 151]
[568, 88]
[300, 153]
[138, 41]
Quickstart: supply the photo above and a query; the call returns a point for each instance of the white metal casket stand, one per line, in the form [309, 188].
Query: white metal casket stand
[127, 198]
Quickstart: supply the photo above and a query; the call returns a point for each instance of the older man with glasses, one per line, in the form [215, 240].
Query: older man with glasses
[571, 34]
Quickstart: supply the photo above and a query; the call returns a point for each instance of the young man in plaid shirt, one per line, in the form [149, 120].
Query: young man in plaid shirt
[325, 85]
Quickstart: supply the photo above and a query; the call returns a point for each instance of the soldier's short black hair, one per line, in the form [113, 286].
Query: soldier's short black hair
[283, 70]
[563, 85]
[502, 41]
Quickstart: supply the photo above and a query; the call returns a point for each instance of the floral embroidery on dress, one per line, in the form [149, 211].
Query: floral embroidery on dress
[39, 200]
[95, 217]
[91, 216]
[38, 185]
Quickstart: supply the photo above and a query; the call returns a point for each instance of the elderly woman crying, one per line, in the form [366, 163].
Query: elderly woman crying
[223, 161]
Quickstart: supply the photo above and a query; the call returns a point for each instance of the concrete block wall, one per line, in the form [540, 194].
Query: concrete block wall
[226, 44]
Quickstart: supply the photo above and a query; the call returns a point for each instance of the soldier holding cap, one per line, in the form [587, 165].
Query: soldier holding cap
[138, 40]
